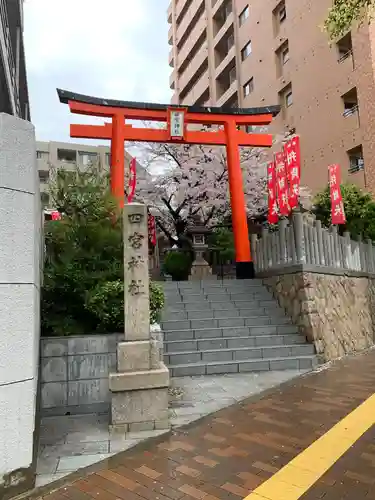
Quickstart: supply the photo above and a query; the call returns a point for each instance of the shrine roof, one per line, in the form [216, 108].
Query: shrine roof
[65, 96]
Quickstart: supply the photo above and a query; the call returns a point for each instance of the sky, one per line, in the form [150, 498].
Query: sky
[114, 49]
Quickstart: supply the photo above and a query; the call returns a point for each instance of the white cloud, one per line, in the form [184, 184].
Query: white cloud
[114, 48]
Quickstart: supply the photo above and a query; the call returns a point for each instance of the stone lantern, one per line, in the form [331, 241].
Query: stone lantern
[200, 268]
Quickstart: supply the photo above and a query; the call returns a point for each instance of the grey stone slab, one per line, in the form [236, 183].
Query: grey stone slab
[46, 465]
[175, 325]
[95, 344]
[174, 316]
[303, 350]
[54, 369]
[90, 366]
[89, 436]
[217, 356]
[74, 448]
[204, 345]
[178, 335]
[119, 445]
[222, 368]
[187, 371]
[53, 347]
[204, 314]
[287, 329]
[198, 324]
[293, 338]
[83, 392]
[75, 463]
[254, 366]
[269, 340]
[182, 359]
[262, 320]
[263, 330]
[230, 322]
[241, 342]
[43, 479]
[276, 352]
[307, 363]
[54, 394]
[222, 314]
[245, 354]
[236, 331]
[185, 345]
[206, 333]
[284, 364]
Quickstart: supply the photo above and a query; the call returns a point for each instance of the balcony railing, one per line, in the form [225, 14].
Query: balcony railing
[345, 56]
[351, 111]
[10, 65]
[356, 165]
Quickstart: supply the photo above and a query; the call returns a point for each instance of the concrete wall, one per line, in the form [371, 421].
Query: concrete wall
[334, 311]
[74, 373]
[20, 261]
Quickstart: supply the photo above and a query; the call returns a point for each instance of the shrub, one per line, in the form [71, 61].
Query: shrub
[106, 302]
[177, 264]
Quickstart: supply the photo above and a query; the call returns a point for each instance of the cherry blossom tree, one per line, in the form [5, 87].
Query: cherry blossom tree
[194, 184]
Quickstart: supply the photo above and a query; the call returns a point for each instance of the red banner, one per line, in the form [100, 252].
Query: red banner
[273, 215]
[152, 229]
[293, 166]
[132, 179]
[337, 205]
[282, 185]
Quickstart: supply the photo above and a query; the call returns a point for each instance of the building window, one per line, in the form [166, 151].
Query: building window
[345, 47]
[248, 88]
[356, 162]
[43, 176]
[44, 198]
[66, 155]
[350, 101]
[282, 13]
[279, 16]
[285, 55]
[87, 159]
[289, 99]
[246, 51]
[232, 75]
[244, 15]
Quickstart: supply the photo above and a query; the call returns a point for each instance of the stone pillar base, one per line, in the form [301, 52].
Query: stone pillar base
[140, 400]
[200, 270]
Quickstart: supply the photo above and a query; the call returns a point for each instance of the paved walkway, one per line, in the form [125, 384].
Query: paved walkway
[244, 451]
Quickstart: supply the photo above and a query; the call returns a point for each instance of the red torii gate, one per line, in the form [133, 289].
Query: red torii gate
[178, 118]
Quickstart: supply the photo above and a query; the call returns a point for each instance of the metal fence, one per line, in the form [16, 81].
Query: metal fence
[298, 243]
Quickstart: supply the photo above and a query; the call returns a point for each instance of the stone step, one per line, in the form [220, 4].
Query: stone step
[209, 333]
[264, 319]
[239, 354]
[208, 306]
[227, 310]
[233, 342]
[228, 322]
[197, 285]
[252, 365]
[220, 297]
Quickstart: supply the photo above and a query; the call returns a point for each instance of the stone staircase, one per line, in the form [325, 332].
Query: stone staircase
[216, 327]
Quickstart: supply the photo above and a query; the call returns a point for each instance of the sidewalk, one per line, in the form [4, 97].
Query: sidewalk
[231, 453]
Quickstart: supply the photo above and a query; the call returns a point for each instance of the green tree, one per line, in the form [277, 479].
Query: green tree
[222, 240]
[359, 211]
[345, 13]
[83, 274]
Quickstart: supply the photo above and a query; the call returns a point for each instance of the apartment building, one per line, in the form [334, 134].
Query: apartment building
[245, 53]
[70, 156]
[14, 97]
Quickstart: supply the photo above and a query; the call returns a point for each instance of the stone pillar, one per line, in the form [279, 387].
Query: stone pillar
[140, 386]
[20, 273]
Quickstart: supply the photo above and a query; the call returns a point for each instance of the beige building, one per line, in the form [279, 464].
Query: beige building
[263, 52]
[54, 155]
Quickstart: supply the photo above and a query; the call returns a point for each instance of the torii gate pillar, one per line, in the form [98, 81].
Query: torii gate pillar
[230, 134]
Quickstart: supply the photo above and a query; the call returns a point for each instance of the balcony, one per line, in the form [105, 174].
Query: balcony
[9, 61]
[200, 87]
[188, 18]
[216, 4]
[171, 58]
[226, 61]
[175, 99]
[169, 12]
[224, 28]
[180, 7]
[172, 79]
[228, 94]
[170, 36]
[193, 67]
[196, 33]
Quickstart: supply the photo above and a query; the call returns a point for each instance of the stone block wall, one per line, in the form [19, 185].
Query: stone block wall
[20, 272]
[74, 373]
[334, 311]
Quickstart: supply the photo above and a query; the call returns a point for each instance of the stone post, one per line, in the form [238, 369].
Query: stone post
[299, 239]
[320, 252]
[140, 388]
